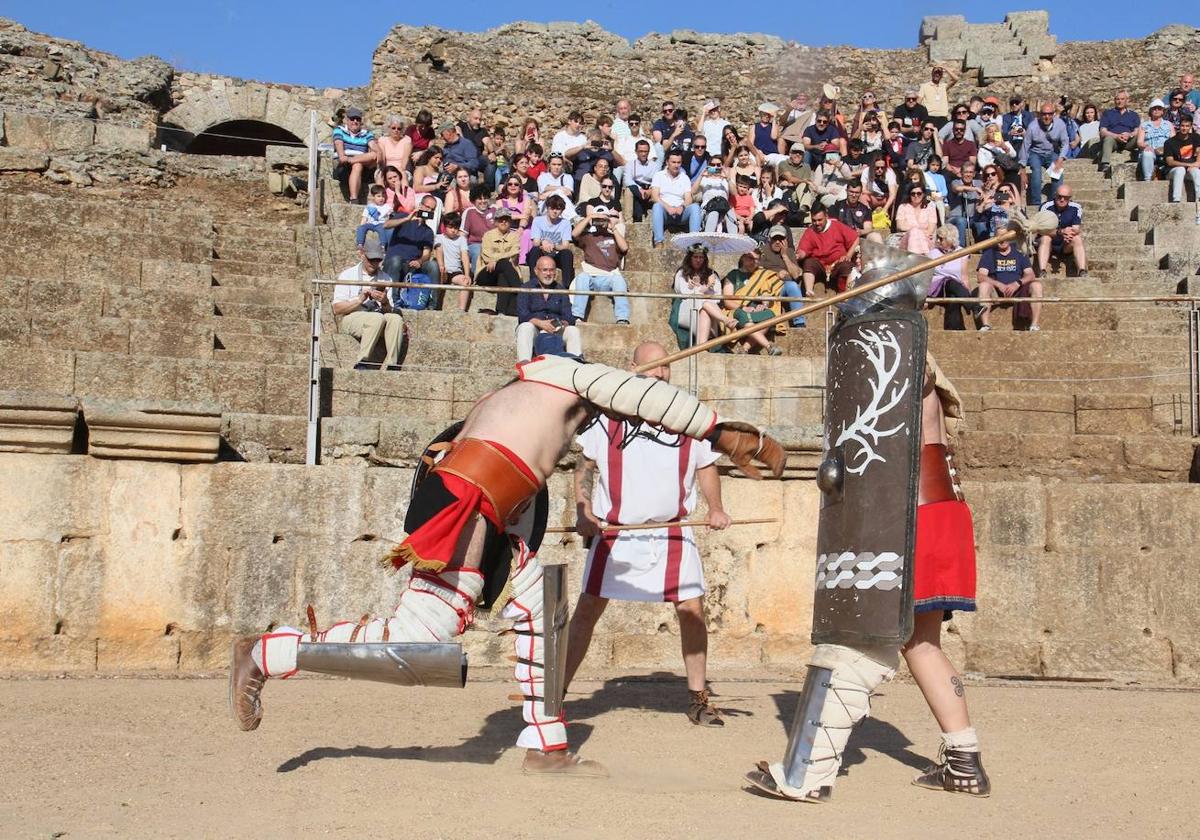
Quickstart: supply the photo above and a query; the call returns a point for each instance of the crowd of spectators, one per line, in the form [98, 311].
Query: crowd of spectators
[471, 205]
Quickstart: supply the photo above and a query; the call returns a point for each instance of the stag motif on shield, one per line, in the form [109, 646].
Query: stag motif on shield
[883, 354]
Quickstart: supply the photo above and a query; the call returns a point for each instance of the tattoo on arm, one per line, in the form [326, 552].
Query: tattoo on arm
[585, 474]
[958, 686]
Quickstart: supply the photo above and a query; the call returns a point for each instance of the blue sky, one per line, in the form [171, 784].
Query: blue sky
[270, 40]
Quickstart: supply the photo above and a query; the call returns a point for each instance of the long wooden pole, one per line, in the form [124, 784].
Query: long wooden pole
[649, 526]
[824, 303]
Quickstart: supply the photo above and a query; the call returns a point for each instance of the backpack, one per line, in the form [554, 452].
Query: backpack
[415, 298]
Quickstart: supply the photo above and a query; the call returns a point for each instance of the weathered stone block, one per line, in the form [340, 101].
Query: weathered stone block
[1003, 657]
[112, 376]
[47, 370]
[159, 653]
[1004, 68]
[175, 275]
[132, 302]
[22, 160]
[1083, 516]
[27, 571]
[1102, 657]
[1114, 414]
[37, 422]
[1028, 413]
[287, 157]
[47, 654]
[947, 52]
[115, 136]
[29, 131]
[158, 431]
[1166, 454]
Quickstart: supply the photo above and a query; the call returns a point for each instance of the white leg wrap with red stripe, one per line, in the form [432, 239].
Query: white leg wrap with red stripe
[433, 608]
[543, 732]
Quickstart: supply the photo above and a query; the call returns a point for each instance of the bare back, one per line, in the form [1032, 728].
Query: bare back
[933, 419]
[537, 422]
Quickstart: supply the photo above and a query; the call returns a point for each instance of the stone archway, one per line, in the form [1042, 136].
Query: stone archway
[234, 102]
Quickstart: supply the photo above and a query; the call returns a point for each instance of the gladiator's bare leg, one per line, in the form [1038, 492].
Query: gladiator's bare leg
[934, 673]
[693, 638]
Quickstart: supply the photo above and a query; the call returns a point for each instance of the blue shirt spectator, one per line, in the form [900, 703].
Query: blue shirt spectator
[545, 307]
[1117, 121]
[458, 150]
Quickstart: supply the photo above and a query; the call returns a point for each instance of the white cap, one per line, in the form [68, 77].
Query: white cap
[1157, 103]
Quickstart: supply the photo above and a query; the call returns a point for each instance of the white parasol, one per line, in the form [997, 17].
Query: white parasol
[716, 243]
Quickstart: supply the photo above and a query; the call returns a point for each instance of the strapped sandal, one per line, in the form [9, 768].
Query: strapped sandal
[956, 771]
[701, 712]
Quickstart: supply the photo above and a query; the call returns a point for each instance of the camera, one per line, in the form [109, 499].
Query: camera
[424, 214]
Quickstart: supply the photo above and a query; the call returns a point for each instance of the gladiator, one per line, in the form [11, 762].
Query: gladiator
[468, 538]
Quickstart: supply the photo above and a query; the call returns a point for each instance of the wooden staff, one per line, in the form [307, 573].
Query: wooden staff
[1007, 236]
[649, 526]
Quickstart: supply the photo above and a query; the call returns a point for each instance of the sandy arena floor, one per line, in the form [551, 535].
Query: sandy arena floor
[149, 758]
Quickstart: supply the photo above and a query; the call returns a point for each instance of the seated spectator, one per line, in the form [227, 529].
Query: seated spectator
[671, 194]
[1016, 122]
[881, 219]
[1065, 111]
[365, 312]
[545, 325]
[962, 198]
[357, 153]
[589, 188]
[988, 114]
[867, 105]
[498, 262]
[1152, 135]
[769, 207]
[662, 128]
[570, 137]
[743, 160]
[1191, 94]
[400, 195]
[601, 236]
[550, 236]
[1183, 161]
[458, 193]
[1006, 273]
[496, 158]
[696, 159]
[374, 214]
[958, 149]
[1118, 129]
[703, 318]
[519, 169]
[997, 208]
[883, 177]
[934, 95]
[1175, 110]
[712, 124]
[531, 132]
[1046, 145]
[998, 152]
[453, 257]
[1068, 239]
[606, 196]
[874, 135]
[711, 192]
[516, 201]
[854, 213]
[796, 181]
[421, 133]
[742, 204]
[949, 279]
[620, 124]
[410, 249]
[1089, 132]
[477, 220]
[473, 129]
[429, 176]
[639, 172]
[395, 147]
[584, 157]
[798, 117]
[555, 181]
[960, 113]
[831, 179]
[916, 220]
[743, 288]
[681, 136]
[777, 257]
[856, 159]
[627, 145]
[537, 163]
[917, 152]
[766, 133]
[822, 136]
[825, 252]
[911, 115]
[936, 188]
[459, 152]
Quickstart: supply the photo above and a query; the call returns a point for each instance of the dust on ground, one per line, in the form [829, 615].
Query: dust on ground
[162, 758]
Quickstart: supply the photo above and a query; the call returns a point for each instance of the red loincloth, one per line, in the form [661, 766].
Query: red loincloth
[944, 561]
[431, 545]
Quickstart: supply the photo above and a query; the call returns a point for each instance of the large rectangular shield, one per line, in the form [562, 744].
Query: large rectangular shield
[868, 480]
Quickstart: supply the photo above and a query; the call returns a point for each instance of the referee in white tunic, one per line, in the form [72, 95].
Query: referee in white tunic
[632, 474]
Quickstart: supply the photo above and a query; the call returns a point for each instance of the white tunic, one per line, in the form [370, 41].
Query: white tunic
[652, 479]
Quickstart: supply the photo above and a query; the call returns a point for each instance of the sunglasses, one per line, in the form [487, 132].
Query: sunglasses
[910, 99]
[607, 186]
[916, 192]
[1062, 198]
[353, 119]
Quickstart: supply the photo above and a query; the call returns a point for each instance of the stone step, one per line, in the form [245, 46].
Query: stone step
[1077, 412]
[262, 312]
[1019, 376]
[285, 359]
[263, 282]
[991, 456]
[258, 343]
[287, 256]
[299, 331]
[251, 230]
[24, 239]
[250, 294]
[260, 267]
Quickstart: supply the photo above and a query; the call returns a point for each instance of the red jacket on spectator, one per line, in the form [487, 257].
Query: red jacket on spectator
[830, 245]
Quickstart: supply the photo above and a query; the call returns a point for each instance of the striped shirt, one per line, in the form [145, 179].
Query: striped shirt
[354, 144]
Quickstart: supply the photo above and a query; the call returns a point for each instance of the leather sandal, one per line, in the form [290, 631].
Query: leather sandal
[561, 763]
[701, 712]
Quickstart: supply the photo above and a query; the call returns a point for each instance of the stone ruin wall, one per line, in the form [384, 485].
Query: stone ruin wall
[544, 70]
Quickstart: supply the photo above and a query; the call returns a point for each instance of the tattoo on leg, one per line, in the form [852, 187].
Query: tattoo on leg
[958, 686]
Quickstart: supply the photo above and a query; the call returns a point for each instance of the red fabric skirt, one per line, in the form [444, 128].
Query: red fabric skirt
[944, 565]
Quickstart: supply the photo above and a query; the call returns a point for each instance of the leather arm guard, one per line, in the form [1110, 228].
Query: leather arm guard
[744, 444]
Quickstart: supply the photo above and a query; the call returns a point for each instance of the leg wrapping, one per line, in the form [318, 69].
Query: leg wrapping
[542, 731]
[855, 674]
[433, 608]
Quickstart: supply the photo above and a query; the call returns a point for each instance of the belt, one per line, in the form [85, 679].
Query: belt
[505, 484]
[936, 482]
